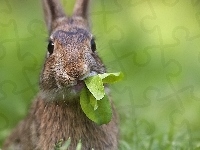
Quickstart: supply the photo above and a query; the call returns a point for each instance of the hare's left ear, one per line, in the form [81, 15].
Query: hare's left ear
[81, 9]
[52, 11]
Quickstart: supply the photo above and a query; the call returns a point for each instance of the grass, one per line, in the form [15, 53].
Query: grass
[63, 145]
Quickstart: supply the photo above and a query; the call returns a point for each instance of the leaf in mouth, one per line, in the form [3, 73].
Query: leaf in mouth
[100, 115]
[94, 102]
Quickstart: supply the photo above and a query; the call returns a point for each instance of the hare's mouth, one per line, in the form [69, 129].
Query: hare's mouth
[78, 87]
[66, 92]
[80, 83]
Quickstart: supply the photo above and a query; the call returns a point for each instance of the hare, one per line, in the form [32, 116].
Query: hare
[56, 113]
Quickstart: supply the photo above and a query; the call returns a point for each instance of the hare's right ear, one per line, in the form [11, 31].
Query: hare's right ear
[52, 11]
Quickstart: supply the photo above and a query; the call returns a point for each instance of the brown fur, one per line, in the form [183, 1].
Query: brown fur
[56, 113]
[48, 122]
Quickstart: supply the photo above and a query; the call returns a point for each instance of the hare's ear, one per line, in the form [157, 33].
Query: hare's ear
[81, 8]
[52, 11]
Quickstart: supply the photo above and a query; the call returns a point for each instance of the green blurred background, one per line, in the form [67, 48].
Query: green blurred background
[156, 44]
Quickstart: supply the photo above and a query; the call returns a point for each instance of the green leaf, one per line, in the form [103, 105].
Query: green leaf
[66, 144]
[111, 77]
[93, 102]
[58, 145]
[61, 145]
[102, 115]
[95, 86]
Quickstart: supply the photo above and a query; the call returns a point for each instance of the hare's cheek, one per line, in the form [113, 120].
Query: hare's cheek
[85, 70]
[47, 81]
[89, 61]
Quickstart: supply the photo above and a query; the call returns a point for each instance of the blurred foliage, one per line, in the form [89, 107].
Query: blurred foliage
[154, 43]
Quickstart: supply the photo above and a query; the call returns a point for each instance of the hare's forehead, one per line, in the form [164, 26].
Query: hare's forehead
[72, 36]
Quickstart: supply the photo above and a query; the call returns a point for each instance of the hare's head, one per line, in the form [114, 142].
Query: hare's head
[71, 51]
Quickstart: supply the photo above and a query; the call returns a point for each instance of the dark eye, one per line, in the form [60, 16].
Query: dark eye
[93, 45]
[50, 47]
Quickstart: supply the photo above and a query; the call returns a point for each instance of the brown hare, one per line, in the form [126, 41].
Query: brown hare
[56, 113]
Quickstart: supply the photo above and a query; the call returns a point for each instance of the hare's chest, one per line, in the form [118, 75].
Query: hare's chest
[55, 122]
